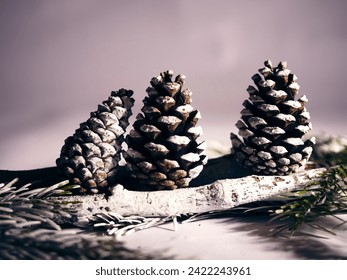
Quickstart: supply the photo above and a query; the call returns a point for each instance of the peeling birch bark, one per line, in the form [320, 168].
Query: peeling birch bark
[217, 196]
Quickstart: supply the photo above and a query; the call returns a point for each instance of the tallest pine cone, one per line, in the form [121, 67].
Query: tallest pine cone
[163, 148]
[272, 124]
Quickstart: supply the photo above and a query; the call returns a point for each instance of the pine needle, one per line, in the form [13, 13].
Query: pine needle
[117, 225]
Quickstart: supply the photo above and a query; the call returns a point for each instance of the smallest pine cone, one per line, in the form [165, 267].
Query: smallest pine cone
[91, 155]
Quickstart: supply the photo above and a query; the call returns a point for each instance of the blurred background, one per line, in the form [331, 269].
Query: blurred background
[59, 59]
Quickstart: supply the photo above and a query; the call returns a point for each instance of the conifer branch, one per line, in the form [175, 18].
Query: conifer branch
[30, 228]
[218, 196]
[325, 197]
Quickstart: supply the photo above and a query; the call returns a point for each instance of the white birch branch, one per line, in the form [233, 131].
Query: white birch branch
[220, 195]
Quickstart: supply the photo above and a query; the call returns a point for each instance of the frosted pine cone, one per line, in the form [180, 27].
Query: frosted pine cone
[272, 124]
[163, 147]
[91, 155]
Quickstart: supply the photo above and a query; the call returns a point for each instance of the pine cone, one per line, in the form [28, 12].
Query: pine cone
[163, 148]
[272, 124]
[91, 155]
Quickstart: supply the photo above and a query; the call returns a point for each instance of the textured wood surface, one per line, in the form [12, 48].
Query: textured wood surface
[221, 185]
[219, 195]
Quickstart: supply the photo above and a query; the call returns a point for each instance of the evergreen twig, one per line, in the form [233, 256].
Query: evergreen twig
[24, 209]
[325, 197]
[115, 224]
[28, 229]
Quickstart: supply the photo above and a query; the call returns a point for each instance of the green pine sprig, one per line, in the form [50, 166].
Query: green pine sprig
[326, 196]
[30, 228]
[25, 208]
[118, 225]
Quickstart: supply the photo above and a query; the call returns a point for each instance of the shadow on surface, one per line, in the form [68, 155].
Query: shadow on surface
[69, 244]
[224, 167]
[216, 169]
[303, 244]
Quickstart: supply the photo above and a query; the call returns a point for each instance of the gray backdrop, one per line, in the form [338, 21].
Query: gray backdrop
[59, 59]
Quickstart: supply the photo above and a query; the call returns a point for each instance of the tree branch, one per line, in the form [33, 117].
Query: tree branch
[219, 195]
[223, 184]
